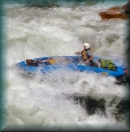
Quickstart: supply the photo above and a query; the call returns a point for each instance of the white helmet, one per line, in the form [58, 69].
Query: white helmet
[87, 45]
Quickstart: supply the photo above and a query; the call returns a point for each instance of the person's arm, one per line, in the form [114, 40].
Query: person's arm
[78, 53]
[91, 57]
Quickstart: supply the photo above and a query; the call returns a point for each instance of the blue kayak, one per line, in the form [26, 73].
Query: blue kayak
[53, 63]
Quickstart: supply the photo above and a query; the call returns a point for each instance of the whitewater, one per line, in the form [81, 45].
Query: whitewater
[49, 100]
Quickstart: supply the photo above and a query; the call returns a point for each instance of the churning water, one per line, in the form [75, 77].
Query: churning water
[52, 99]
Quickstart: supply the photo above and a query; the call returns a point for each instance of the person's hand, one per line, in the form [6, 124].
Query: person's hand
[87, 62]
[77, 53]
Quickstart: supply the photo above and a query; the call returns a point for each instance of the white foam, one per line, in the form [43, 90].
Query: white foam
[33, 33]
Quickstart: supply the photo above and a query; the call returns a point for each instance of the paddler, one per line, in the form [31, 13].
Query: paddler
[86, 54]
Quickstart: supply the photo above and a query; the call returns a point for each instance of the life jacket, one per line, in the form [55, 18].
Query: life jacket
[84, 55]
[107, 64]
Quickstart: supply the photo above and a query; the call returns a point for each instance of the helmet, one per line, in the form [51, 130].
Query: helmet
[87, 45]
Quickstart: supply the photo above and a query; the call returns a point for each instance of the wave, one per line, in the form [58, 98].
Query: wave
[62, 31]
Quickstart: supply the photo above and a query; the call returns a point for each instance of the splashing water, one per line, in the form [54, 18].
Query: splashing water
[49, 99]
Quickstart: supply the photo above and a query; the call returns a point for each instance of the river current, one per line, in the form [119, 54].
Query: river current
[55, 100]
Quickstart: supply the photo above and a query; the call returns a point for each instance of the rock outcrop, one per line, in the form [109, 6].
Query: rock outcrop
[117, 12]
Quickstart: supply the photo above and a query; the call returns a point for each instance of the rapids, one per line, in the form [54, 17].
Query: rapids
[60, 98]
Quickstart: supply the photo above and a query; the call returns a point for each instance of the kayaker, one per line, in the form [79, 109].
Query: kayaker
[48, 61]
[86, 54]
